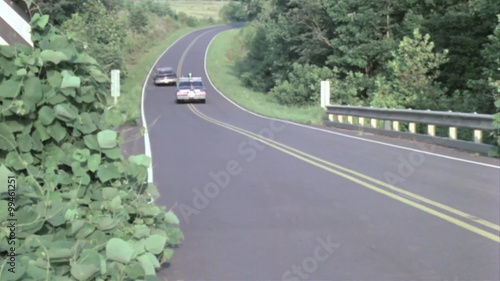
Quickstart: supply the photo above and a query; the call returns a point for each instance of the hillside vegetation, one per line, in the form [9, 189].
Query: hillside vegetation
[438, 55]
[122, 35]
[82, 211]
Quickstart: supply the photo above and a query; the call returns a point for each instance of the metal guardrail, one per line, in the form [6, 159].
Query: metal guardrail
[370, 118]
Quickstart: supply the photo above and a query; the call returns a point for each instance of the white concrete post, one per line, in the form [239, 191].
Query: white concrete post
[325, 93]
[115, 84]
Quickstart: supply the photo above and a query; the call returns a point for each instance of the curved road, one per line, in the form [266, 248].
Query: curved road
[268, 200]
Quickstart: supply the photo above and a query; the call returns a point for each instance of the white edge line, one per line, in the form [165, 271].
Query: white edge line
[147, 143]
[335, 133]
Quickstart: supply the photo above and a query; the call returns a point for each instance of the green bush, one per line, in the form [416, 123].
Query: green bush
[158, 8]
[303, 86]
[83, 212]
[187, 19]
[233, 12]
[138, 18]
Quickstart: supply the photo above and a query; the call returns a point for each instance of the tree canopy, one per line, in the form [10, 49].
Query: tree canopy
[428, 54]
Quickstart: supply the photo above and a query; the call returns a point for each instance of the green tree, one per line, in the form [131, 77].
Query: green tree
[413, 70]
[233, 12]
[491, 72]
[58, 10]
[101, 32]
[138, 18]
[302, 86]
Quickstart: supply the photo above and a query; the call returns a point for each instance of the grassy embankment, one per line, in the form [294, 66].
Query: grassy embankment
[225, 50]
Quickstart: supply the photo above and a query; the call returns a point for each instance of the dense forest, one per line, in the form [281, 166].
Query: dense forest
[440, 55]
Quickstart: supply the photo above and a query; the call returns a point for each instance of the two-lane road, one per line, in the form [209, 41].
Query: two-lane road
[261, 199]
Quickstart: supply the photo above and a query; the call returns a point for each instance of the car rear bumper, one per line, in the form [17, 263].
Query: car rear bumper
[165, 81]
[186, 97]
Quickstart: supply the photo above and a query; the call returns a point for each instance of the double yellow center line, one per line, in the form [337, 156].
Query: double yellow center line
[464, 220]
[467, 221]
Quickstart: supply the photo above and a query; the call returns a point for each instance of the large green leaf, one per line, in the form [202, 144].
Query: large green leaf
[98, 75]
[54, 78]
[107, 172]
[91, 142]
[69, 80]
[46, 115]
[114, 117]
[81, 155]
[5, 175]
[109, 192]
[143, 160]
[18, 161]
[155, 243]
[57, 131]
[53, 56]
[7, 139]
[171, 218]
[134, 271]
[107, 139]
[85, 124]
[7, 51]
[66, 112]
[85, 59]
[113, 153]
[141, 231]
[33, 89]
[19, 125]
[42, 22]
[28, 221]
[10, 88]
[93, 162]
[147, 264]
[84, 272]
[168, 254]
[106, 223]
[119, 250]
[24, 142]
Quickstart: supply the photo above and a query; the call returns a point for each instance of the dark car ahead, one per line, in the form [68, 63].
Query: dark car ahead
[165, 76]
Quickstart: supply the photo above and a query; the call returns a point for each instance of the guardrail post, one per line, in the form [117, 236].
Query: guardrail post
[387, 124]
[453, 133]
[361, 121]
[349, 119]
[395, 125]
[431, 130]
[332, 117]
[341, 118]
[373, 122]
[478, 136]
[412, 127]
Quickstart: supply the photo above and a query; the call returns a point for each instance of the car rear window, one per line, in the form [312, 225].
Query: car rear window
[163, 72]
[187, 85]
[197, 85]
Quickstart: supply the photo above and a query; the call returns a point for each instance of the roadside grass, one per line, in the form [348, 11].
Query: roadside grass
[221, 59]
[138, 68]
[198, 8]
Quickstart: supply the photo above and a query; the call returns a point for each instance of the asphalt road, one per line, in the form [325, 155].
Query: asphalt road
[309, 203]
